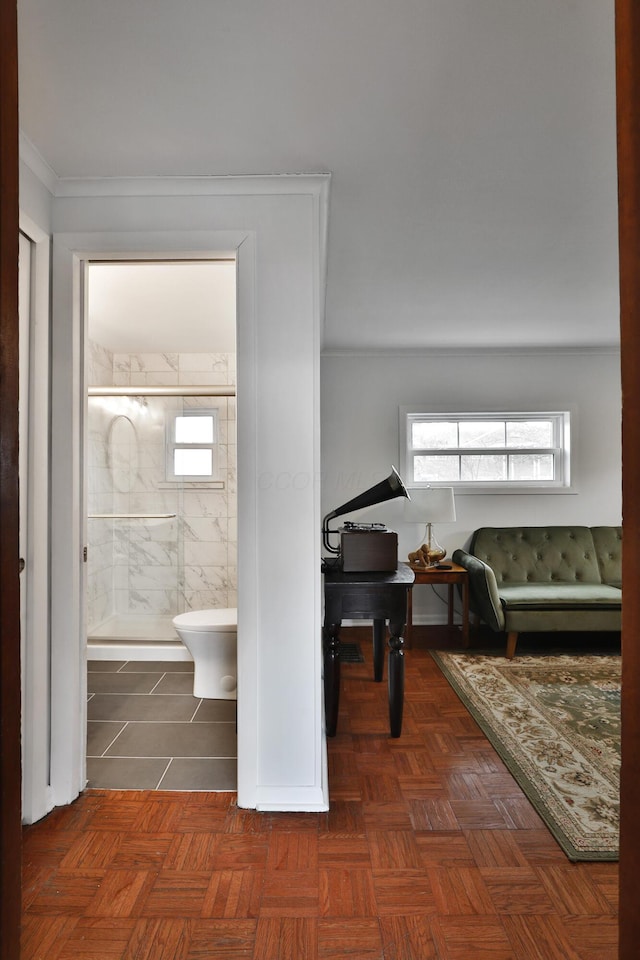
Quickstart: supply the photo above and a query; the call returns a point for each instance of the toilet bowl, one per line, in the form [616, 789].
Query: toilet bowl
[210, 636]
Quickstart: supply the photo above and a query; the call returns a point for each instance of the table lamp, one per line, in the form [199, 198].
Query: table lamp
[430, 505]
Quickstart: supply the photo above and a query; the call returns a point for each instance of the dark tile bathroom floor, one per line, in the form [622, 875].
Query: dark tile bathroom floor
[146, 730]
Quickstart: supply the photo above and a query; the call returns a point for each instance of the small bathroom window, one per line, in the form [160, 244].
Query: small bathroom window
[192, 446]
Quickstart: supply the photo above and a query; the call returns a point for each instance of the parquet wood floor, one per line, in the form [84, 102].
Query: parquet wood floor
[430, 851]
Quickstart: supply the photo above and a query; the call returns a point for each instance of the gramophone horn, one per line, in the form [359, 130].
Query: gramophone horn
[385, 490]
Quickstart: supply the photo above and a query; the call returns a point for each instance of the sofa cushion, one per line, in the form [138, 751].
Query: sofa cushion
[537, 554]
[608, 544]
[559, 596]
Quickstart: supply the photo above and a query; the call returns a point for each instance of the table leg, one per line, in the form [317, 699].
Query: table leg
[379, 630]
[465, 614]
[396, 678]
[331, 676]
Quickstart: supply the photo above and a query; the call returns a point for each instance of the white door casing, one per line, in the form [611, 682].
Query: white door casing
[279, 248]
[37, 797]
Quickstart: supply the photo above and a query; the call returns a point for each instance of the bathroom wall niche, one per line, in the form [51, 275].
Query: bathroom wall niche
[122, 451]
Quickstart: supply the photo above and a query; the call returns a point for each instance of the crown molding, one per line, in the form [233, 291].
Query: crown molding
[246, 185]
[386, 353]
[215, 186]
[34, 160]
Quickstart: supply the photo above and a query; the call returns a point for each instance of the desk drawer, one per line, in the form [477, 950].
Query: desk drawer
[367, 604]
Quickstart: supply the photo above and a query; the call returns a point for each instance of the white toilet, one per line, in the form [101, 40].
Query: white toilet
[210, 636]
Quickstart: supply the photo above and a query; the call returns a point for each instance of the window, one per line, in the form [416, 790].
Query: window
[192, 439]
[490, 451]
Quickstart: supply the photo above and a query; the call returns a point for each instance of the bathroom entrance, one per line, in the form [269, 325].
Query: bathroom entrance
[161, 527]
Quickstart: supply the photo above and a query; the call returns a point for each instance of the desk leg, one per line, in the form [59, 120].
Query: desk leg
[379, 630]
[396, 678]
[331, 676]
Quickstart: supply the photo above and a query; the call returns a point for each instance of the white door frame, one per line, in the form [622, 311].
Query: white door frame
[71, 255]
[276, 229]
[37, 797]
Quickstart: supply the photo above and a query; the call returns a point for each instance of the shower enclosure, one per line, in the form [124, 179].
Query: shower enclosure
[162, 519]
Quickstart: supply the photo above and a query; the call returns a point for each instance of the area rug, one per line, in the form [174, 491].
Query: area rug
[555, 722]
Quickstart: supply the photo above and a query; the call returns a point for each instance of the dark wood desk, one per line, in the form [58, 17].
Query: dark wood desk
[363, 596]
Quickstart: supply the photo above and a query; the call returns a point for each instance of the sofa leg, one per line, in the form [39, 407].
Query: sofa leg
[512, 639]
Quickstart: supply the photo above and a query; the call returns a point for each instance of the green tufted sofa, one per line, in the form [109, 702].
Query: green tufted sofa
[544, 579]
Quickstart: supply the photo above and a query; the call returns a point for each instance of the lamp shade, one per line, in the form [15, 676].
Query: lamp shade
[431, 505]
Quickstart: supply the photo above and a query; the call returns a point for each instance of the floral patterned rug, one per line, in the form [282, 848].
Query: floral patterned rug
[555, 722]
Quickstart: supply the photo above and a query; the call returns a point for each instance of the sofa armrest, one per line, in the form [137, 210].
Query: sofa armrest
[483, 589]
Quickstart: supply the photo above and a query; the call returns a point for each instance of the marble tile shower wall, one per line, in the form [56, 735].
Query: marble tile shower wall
[158, 566]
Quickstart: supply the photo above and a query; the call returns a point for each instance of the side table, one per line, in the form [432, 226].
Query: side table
[452, 576]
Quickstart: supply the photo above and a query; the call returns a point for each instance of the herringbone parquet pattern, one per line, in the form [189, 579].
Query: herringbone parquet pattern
[430, 851]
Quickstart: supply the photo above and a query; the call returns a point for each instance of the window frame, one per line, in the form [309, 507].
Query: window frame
[563, 421]
[171, 445]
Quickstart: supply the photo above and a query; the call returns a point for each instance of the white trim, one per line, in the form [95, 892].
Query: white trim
[37, 797]
[300, 183]
[69, 652]
[172, 445]
[247, 471]
[565, 422]
[170, 650]
[302, 783]
[302, 799]
[33, 159]
[232, 186]
[605, 349]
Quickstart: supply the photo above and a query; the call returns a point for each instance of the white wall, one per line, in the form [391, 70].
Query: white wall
[361, 395]
[276, 229]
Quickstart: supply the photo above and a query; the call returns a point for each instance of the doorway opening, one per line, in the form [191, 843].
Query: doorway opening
[161, 516]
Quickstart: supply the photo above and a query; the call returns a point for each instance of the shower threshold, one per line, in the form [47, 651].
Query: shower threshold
[136, 637]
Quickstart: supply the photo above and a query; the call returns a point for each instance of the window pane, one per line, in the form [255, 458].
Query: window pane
[531, 466]
[192, 463]
[194, 429]
[482, 433]
[530, 433]
[485, 467]
[438, 435]
[429, 469]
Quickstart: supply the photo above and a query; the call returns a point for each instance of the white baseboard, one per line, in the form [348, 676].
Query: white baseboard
[132, 650]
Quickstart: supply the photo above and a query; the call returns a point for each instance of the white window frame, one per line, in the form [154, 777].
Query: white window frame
[561, 450]
[172, 445]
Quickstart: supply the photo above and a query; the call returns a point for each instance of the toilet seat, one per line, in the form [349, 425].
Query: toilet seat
[218, 620]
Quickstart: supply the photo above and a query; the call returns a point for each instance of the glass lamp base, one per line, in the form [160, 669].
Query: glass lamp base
[430, 553]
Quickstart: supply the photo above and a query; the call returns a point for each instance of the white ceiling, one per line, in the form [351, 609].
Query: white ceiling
[471, 143]
[163, 307]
